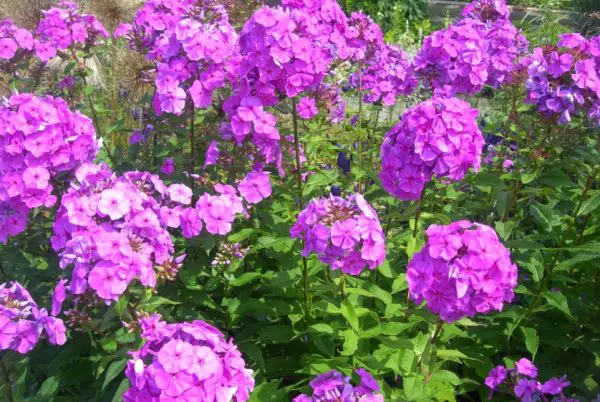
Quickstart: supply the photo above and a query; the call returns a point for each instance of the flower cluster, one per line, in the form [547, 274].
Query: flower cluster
[488, 11]
[565, 81]
[506, 45]
[384, 71]
[454, 60]
[63, 28]
[344, 233]
[523, 383]
[463, 270]
[22, 322]
[14, 41]
[193, 45]
[334, 386]
[41, 142]
[386, 76]
[113, 230]
[189, 361]
[439, 136]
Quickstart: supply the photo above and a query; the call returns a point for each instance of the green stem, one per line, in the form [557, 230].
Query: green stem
[432, 341]
[301, 205]
[9, 393]
[192, 147]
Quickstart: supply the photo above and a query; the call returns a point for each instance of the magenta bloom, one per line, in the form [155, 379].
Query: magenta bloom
[255, 187]
[333, 386]
[168, 167]
[188, 361]
[437, 137]
[307, 108]
[22, 322]
[526, 367]
[463, 270]
[63, 28]
[555, 386]
[527, 390]
[15, 43]
[58, 297]
[344, 233]
[42, 142]
[113, 230]
[454, 60]
[564, 82]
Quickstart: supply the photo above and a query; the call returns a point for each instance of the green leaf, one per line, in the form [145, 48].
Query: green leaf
[157, 301]
[528, 177]
[276, 333]
[556, 178]
[321, 328]
[541, 217]
[524, 244]
[246, 278]
[123, 386]
[350, 315]
[350, 343]
[504, 229]
[532, 340]
[241, 235]
[576, 260]
[558, 301]
[589, 205]
[48, 389]
[385, 269]
[114, 370]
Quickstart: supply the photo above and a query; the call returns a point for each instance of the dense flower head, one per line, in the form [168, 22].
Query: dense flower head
[41, 143]
[188, 361]
[343, 233]
[386, 76]
[463, 270]
[113, 229]
[332, 23]
[454, 60]
[333, 386]
[22, 322]
[564, 81]
[364, 38]
[522, 380]
[63, 28]
[193, 45]
[487, 10]
[439, 136]
[15, 42]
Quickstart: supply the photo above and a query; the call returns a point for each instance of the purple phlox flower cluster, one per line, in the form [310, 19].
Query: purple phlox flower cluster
[168, 167]
[488, 11]
[333, 386]
[193, 45]
[250, 120]
[15, 42]
[282, 52]
[307, 108]
[63, 28]
[228, 253]
[364, 38]
[439, 136]
[463, 270]
[343, 233]
[332, 23]
[387, 76]
[522, 380]
[189, 361]
[505, 44]
[114, 229]
[454, 60]
[40, 140]
[22, 322]
[564, 81]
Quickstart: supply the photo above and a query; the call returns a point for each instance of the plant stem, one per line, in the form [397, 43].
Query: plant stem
[192, 147]
[6, 379]
[301, 205]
